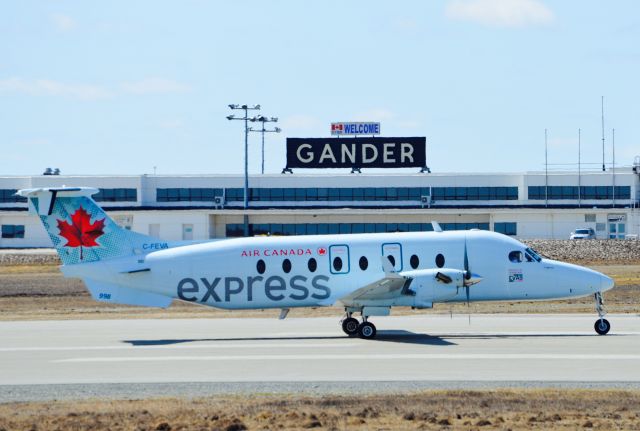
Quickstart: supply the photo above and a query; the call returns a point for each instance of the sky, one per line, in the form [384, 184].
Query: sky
[126, 87]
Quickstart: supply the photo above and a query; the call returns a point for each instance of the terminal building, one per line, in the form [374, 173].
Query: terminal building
[201, 207]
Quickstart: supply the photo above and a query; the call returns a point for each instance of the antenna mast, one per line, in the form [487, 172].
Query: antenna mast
[579, 172]
[546, 172]
[613, 167]
[602, 106]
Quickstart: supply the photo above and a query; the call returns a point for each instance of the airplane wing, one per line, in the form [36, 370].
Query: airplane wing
[392, 285]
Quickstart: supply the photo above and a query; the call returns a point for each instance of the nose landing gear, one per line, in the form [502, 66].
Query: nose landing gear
[602, 325]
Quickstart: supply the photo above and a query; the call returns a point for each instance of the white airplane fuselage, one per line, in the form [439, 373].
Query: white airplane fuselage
[365, 273]
[313, 271]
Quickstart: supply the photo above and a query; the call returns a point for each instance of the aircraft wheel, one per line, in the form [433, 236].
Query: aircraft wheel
[350, 326]
[367, 330]
[602, 326]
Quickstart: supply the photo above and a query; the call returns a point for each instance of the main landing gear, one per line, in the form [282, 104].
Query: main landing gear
[352, 327]
[602, 325]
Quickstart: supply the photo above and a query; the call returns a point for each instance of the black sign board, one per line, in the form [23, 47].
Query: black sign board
[365, 152]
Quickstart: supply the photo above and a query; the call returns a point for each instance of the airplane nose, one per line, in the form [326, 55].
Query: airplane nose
[606, 283]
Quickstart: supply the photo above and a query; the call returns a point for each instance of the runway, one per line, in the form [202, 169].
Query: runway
[495, 349]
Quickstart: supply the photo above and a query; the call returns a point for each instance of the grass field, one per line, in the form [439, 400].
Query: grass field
[430, 410]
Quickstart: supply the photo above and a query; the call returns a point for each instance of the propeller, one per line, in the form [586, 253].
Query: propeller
[469, 278]
[467, 272]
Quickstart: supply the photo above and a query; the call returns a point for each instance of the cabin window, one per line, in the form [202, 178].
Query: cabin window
[312, 265]
[286, 266]
[261, 266]
[392, 260]
[414, 261]
[439, 260]
[337, 264]
[364, 263]
[515, 256]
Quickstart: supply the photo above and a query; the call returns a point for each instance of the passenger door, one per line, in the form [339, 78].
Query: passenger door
[339, 262]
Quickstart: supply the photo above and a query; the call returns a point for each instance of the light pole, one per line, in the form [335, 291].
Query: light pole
[246, 119]
[262, 119]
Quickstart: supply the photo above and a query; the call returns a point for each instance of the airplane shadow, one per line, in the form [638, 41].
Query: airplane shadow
[394, 336]
[386, 336]
[522, 336]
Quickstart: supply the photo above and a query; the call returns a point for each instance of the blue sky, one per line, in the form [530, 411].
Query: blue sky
[119, 87]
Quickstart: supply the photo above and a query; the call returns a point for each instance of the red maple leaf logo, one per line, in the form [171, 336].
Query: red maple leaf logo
[322, 251]
[81, 232]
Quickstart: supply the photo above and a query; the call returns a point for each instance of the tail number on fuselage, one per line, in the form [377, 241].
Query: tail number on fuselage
[226, 289]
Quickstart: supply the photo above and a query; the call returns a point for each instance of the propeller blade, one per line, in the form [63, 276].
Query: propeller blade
[467, 272]
[467, 277]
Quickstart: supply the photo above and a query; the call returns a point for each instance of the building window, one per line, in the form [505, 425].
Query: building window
[12, 231]
[116, 195]
[475, 193]
[346, 194]
[586, 192]
[188, 194]
[237, 229]
[8, 196]
[507, 228]
[589, 218]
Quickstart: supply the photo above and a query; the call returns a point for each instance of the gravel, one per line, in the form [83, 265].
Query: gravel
[102, 391]
[29, 256]
[607, 250]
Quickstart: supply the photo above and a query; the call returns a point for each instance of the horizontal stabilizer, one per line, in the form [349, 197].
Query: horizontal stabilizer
[114, 294]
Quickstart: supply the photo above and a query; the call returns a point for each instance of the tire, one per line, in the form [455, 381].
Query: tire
[367, 330]
[350, 326]
[602, 326]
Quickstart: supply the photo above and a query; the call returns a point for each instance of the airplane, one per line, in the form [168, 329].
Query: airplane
[366, 274]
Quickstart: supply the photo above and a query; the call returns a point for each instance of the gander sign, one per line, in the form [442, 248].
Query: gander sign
[368, 152]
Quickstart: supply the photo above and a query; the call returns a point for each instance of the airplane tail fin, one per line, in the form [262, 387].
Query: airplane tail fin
[80, 230]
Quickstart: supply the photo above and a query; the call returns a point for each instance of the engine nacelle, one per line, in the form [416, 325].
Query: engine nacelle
[435, 285]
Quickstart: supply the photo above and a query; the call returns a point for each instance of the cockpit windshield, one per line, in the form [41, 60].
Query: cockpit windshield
[532, 255]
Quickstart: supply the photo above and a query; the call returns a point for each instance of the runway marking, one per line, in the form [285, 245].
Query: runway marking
[179, 345]
[394, 356]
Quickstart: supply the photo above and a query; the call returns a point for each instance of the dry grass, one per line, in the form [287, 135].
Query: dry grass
[42, 293]
[499, 409]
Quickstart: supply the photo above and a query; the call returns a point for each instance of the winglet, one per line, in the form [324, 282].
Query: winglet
[436, 226]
